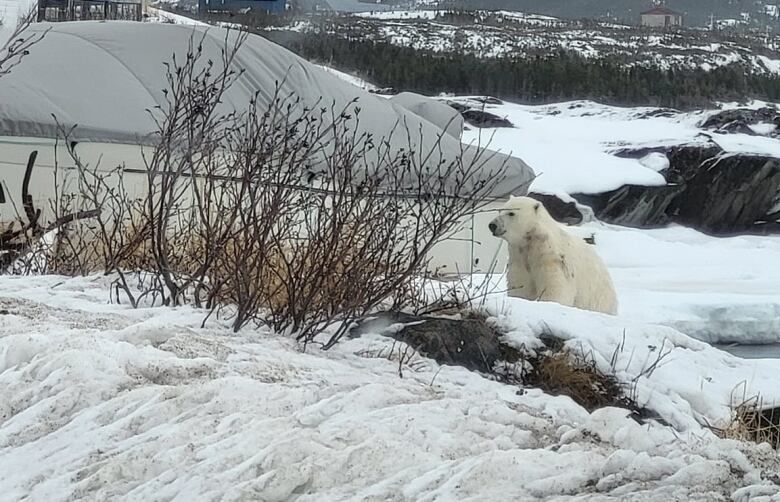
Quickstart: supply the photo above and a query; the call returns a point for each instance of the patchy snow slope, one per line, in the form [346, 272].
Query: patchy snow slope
[569, 144]
[514, 34]
[99, 402]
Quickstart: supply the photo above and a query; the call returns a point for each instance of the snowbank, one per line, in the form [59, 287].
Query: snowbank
[101, 402]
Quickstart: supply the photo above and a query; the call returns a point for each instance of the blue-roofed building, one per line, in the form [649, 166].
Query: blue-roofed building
[269, 6]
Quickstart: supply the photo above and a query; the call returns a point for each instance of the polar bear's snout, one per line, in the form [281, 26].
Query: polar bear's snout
[497, 227]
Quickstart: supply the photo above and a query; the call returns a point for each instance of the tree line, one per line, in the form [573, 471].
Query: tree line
[542, 78]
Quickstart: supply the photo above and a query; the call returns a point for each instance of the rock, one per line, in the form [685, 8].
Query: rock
[736, 127]
[488, 100]
[712, 191]
[634, 205]
[480, 118]
[729, 193]
[564, 212]
[738, 120]
[460, 107]
[658, 112]
[384, 91]
[685, 161]
[469, 343]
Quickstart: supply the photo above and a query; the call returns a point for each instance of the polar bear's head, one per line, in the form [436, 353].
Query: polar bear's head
[516, 218]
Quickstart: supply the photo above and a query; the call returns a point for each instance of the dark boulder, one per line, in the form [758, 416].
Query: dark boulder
[481, 119]
[634, 205]
[637, 153]
[729, 194]
[737, 127]
[658, 112]
[488, 100]
[715, 192]
[564, 212]
[686, 160]
[384, 91]
[469, 343]
[460, 107]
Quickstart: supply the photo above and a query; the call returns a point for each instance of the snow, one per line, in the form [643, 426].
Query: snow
[400, 14]
[656, 161]
[720, 290]
[356, 81]
[103, 402]
[566, 144]
[163, 16]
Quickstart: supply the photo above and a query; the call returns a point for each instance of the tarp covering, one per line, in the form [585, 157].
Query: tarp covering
[105, 76]
[436, 112]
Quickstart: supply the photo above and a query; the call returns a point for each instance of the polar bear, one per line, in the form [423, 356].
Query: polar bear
[547, 263]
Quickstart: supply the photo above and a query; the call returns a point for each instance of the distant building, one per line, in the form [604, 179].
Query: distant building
[661, 17]
[89, 10]
[242, 6]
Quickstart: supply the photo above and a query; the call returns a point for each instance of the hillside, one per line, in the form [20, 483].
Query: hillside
[536, 59]
[514, 34]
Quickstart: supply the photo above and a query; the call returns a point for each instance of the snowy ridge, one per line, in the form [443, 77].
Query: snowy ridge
[102, 402]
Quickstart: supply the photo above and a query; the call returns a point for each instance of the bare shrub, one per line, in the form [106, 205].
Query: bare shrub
[19, 43]
[279, 214]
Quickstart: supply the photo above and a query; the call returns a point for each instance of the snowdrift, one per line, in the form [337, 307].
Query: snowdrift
[102, 402]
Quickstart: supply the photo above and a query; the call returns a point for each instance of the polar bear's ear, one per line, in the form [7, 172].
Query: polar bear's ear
[536, 206]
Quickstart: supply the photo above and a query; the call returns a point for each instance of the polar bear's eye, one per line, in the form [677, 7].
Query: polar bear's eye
[511, 214]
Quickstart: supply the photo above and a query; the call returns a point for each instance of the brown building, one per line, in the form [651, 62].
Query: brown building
[661, 17]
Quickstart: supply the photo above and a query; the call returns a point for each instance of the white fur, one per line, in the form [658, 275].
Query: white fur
[549, 264]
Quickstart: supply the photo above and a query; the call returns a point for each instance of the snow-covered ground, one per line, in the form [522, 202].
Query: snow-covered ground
[101, 402]
[162, 16]
[569, 144]
[716, 289]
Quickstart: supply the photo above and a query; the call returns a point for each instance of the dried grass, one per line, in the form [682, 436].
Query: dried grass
[752, 420]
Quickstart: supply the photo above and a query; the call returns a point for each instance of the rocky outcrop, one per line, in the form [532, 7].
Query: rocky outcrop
[713, 191]
[739, 120]
[729, 193]
[634, 205]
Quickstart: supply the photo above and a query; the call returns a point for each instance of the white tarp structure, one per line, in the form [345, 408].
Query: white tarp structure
[104, 77]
